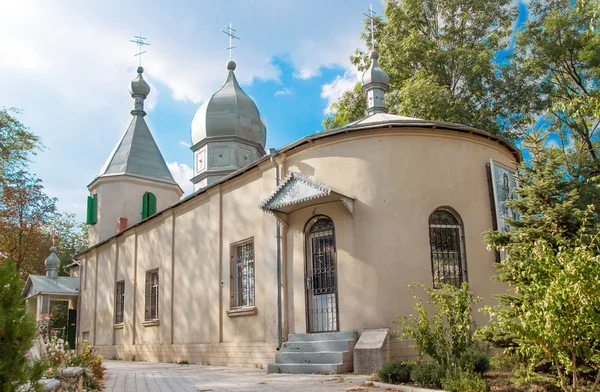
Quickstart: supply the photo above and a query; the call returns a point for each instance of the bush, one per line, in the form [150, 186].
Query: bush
[428, 375]
[460, 381]
[475, 360]
[442, 326]
[17, 329]
[395, 372]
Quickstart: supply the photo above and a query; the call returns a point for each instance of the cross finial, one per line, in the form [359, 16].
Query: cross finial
[139, 41]
[371, 17]
[230, 32]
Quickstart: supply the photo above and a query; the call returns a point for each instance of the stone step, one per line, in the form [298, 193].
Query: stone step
[305, 368]
[310, 357]
[308, 337]
[318, 345]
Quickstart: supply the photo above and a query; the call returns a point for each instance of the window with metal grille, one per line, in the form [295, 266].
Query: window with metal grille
[448, 264]
[242, 277]
[120, 302]
[151, 308]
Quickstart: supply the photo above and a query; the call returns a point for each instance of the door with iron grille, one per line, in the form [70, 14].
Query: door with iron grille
[321, 276]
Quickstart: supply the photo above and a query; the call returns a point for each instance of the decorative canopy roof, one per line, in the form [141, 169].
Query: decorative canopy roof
[296, 192]
[229, 112]
[136, 154]
[41, 284]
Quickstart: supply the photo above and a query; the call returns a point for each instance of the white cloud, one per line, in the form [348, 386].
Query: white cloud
[182, 173]
[185, 144]
[334, 90]
[283, 91]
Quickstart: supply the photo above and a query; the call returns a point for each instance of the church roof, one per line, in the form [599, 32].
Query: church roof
[42, 284]
[375, 121]
[229, 112]
[136, 154]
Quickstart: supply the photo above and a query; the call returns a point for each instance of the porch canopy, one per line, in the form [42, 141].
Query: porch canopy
[296, 192]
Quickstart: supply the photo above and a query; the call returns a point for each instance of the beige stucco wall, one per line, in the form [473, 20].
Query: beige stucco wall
[398, 177]
[121, 196]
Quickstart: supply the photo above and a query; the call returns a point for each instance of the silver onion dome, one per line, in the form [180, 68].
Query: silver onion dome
[229, 112]
[138, 86]
[375, 74]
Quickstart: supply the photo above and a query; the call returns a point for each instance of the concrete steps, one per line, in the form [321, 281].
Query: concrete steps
[330, 352]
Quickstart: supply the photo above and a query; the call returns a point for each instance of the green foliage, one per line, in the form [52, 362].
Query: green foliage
[17, 329]
[17, 143]
[441, 58]
[475, 360]
[428, 375]
[445, 334]
[558, 53]
[396, 372]
[89, 359]
[460, 381]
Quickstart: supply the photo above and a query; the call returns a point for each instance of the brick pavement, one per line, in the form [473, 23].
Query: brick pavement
[125, 376]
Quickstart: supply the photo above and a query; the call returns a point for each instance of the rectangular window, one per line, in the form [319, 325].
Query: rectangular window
[242, 276]
[151, 295]
[120, 302]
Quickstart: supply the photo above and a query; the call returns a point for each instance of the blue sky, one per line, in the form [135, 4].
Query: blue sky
[68, 65]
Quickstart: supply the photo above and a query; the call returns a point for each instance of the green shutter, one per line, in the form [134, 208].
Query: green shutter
[92, 210]
[151, 204]
[148, 205]
[145, 206]
[95, 209]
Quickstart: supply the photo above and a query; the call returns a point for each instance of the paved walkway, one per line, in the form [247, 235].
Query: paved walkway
[144, 376]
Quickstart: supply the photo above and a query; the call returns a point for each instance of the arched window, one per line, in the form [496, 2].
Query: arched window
[148, 205]
[321, 275]
[446, 238]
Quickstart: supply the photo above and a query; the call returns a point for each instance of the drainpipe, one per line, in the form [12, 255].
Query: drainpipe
[272, 154]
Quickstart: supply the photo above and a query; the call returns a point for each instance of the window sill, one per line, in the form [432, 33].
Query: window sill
[245, 311]
[150, 323]
[118, 326]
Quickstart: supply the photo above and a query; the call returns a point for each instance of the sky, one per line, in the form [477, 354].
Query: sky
[68, 64]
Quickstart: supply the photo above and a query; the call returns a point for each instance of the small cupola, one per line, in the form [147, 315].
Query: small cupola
[52, 262]
[375, 84]
[139, 90]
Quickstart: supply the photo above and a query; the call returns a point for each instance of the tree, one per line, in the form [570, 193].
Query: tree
[442, 58]
[25, 214]
[552, 270]
[17, 329]
[69, 237]
[17, 143]
[558, 51]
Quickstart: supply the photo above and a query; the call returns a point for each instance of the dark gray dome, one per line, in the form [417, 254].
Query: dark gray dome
[229, 112]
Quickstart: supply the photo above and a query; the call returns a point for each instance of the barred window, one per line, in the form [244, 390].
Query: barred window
[446, 238]
[151, 308]
[119, 302]
[242, 277]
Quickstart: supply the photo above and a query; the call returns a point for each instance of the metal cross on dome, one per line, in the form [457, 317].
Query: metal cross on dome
[139, 41]
[230, 32]
[371, 17]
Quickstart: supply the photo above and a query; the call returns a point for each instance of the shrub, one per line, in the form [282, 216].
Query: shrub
[17, 329]
[475, 360]
[428, 375]
[395, 372]
[461, 381]
[88, 359]
[444, 333]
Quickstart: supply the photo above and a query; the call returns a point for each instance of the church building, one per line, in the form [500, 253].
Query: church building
[285, 258]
